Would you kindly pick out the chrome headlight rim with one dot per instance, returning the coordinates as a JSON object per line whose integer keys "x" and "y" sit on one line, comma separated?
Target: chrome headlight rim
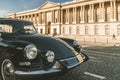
{"x": 30, "y": 51}
{"x": 50, "y": 56}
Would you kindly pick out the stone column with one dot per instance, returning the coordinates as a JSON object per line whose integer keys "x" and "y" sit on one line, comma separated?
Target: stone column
{"x": 21, "y": 17}
{"x": 35, "y": 19}
{"x": 39, "y": 18}
{"x": 103, "y": 12}
{"x": 68, "y": 15}
{"x": 78, "y": 15}
{"x": 90, "y": 13}
{"x": 53, "y": 16}
{"x": 31, "y": 17}
{"x": 115, "y": 11}
{"x": 24, "y": 17}
{"x": 44, "y": 18}
{"x": 61, "y": 16}
{"x": 75, "y": 18}
{"x": 74, "y": 15}
{"x": 111, "y": 11}
{"x": 92, "y": 19}
{"x": 100, "y": 10}
{"x": 27, "y": 17}
{"x": 83, "y": 14}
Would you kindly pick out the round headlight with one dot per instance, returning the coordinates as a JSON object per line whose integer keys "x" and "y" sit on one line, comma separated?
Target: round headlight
{"x": 31, "y": 51}
{"x": 50, "y": 56}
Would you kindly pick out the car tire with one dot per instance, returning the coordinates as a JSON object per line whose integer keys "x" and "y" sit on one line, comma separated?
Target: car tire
{"x": 7, "y": 68}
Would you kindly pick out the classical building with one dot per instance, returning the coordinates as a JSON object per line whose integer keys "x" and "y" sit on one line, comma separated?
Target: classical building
{"x": 86, "y": 20}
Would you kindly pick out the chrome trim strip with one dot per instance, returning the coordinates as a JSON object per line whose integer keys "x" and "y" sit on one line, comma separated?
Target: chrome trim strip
{"x": 68, "y": 58}
{"x": 54, "y": 69}
{"x": 38, "y": 72}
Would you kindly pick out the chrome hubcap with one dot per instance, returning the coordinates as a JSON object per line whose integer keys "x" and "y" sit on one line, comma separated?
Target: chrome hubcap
{"x": 7, "y": 70}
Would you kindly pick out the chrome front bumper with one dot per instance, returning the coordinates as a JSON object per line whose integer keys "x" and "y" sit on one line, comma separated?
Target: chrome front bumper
{"x": 58, "y": 67}
{"x": 54, "y": 69}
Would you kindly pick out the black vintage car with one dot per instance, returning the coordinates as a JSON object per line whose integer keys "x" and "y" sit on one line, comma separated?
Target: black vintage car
{"x": 25, "y": 53}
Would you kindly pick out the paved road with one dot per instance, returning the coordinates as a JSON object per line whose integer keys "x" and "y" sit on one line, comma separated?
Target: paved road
{"x": 104, "y": 64}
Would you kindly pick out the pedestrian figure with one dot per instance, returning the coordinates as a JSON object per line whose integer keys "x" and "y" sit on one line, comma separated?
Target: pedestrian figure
{"x": 114, "y": 37}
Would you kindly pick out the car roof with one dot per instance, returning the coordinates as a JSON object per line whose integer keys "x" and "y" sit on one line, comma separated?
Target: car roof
{"x": 13, "y": 19}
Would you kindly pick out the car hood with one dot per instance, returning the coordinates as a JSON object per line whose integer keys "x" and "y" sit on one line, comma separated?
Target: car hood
{"x": 61, "y": 49}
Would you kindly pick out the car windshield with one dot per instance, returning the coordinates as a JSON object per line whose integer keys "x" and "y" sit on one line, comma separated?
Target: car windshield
{"x": 16, "y": 26}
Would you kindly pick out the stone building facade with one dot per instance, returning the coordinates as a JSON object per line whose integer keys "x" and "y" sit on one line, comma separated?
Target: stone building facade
{"x": 84, "y": 20}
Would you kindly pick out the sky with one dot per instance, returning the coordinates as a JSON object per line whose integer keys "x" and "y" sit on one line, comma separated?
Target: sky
{"x": 11, "y": 6}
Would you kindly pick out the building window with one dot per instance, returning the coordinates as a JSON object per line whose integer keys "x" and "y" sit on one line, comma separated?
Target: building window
{"x": 107, "y": 30}
{"x": 118, "y": 30}
{"x": 96, "y": 30}
{"x": 86, "y": 30}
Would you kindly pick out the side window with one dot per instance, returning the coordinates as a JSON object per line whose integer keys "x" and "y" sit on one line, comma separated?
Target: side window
{"x": 6, "y": 28}
{"x": 29, "y": 29}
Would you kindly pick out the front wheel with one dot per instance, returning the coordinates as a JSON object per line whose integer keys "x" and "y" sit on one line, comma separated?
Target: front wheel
{"x": 7, "y": 68}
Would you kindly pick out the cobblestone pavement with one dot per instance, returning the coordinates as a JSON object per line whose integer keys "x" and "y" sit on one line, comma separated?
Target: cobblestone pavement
{"x": 104, "y": 64}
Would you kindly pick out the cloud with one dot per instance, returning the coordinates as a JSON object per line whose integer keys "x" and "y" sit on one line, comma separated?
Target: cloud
{"x": 3, "y": 13}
